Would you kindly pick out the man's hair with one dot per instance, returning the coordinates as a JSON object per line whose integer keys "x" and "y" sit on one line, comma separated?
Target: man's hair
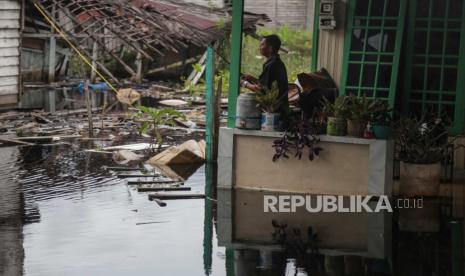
{"x": 274, "y": 41}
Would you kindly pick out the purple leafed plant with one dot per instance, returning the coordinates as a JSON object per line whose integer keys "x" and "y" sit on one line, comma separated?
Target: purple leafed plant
{"x": 299, "y": 136}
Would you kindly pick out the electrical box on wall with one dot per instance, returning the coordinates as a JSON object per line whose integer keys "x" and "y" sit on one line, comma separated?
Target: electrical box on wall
{"x": 326, "y": 18}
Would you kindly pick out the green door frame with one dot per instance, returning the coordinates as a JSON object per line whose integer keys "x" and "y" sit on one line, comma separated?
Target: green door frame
{"x": 236, "y": 55}
{"x": 459, "y": 114}
{"x": 316, "y": 36}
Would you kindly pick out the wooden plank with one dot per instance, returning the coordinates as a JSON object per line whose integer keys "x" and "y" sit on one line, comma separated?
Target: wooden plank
{"x": 122, "y": 169}
{"x": 8, "y": 90}
{"x": 9, "y": 42}
{"x": 7, "y": 100}
{"x": 9, "y": 14}
{"x": 9, "y": 71}
{"x": 36, "y": 138}
{"x": 8, "y": 61}
{"x": 10, "y": 5}
{"x": 9, "y": 33}
{"x": 154, "y": 182}
{"x": 9, "y": 24}
{"x": 160, "y": 189}
{"x": 7, "y": 141}
{"x": 137, "y": 175}
{"x": 8, "y": 81}
{"x": 159, "y": 202}
{"x": 171, "y": 196}
{"x": 9, "y": 52}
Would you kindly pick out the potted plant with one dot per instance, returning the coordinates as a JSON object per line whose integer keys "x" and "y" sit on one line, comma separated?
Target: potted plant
{"x": 381, "y": 120}
{"x": 359, "y": 112}
{"x": 421, "y": 145}
{"x": 336, "y": 113}
{"x": 269, "y": 104}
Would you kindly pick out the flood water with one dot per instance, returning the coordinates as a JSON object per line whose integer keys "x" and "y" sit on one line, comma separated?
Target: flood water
{"x": 82, "y": 220}
{"x": 63, "y": 213}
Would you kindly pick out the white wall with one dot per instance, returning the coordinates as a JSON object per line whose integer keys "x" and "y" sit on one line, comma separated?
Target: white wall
{"x": 297, "y": 13}
{"x": 10, "y": 11}
{"x": 216, "y": 3}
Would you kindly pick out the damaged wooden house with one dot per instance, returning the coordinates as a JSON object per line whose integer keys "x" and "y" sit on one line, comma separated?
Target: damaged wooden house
{"x": 43, "y": 42}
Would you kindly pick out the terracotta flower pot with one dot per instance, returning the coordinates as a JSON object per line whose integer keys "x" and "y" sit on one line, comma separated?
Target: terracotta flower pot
{"x": 419, "y": 179}
{"x": 356, "y": 128}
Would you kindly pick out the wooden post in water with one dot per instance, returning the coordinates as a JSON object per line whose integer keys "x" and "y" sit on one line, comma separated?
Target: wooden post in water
{"x": 89, "y": 108}
{"x": 93, "y": 73}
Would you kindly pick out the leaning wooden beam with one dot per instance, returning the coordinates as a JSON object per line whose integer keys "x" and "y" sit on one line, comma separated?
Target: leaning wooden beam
{"x": 14, "y": 142}
{"x": 171, "y": 66}
{"x": 37, "y": 138}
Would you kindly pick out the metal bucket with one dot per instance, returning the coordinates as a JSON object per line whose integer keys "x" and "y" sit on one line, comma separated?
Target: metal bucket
{"x": 248, "y": 113}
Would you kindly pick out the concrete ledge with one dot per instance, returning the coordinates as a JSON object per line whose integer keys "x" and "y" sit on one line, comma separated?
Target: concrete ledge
{"x": 346, "y": 166}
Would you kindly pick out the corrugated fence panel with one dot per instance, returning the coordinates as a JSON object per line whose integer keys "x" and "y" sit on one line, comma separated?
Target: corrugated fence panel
{"x": 331, "y": 44}
{"x": 296, "y": 13}
{"x": 10, "y": 11}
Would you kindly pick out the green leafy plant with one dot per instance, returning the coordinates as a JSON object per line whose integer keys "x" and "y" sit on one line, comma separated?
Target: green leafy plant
{"x": 381, "y": 113}
{"x": 338, "y": 109}
{"x": 421, "y": 141}
{"x": 360, "y": 108}
{"x": 269, "y": 100}
{"x": 152, "y": 118}
{"x": 197, "y": 67}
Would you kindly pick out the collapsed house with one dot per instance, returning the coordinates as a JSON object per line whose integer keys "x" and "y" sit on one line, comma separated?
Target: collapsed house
{"x": 124, "y": 40}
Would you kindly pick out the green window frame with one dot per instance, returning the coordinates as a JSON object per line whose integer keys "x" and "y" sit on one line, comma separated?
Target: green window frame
{"x": 435, "y": 61}
{"x": 372, "y": 46}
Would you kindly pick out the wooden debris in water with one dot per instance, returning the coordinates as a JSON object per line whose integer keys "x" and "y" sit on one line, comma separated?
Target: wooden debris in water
{"x": 122, "y": 169}
{"x": 159, "y": 202}
{"x": 160, "y": 189}
{"x": 137, "y": 175}
{"x": 15, "y": 142}
{"x": 155, "y": 182}
{"x": 168, "y": 196}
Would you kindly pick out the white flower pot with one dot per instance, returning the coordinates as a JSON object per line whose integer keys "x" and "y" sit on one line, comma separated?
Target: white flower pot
{"x": 271, "y": 121}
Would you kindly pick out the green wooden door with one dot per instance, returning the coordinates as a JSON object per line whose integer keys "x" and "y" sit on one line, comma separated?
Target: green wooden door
{"x": 373, "y": 41}
{"x": 435, "y": 60}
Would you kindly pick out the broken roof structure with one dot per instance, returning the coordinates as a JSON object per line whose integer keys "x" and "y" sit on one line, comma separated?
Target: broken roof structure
{"x": 150, "y": 28}
{"x": 35, "y": 55}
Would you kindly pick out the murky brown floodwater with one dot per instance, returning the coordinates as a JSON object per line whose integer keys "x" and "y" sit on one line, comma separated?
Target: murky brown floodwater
{"x": 62, "y": 213}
